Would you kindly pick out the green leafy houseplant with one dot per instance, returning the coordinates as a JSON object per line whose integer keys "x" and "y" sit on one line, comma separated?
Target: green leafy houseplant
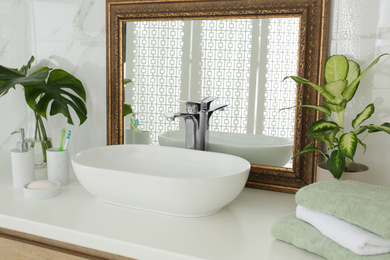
{"x": 342, "y": 78}
{"x": 44, "y": 88}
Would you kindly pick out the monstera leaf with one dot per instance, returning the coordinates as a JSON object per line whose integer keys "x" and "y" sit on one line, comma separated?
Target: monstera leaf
{"x": 127, "y": 109}
{"x": 10, "y": 77}
{"x": 46, "y": 88}
{"x": 56, "y": 92}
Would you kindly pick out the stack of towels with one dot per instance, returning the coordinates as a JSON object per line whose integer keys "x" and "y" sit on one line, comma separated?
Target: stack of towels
{"x": 339, "y": 220}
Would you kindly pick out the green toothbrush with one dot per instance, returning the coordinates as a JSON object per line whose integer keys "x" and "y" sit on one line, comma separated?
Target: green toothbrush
{"x": 62, "y": 140}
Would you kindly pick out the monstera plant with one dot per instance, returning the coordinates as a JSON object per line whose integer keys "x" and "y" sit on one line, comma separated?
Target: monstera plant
{"x": 342, "y": 78}
{"x": 46, "y": 88}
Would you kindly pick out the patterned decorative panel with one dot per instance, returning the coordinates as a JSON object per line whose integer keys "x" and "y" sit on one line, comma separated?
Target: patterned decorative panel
{"x": 282, "y": 54}
{"x": 156, "y": 73}
{"x": 226, "y": 59}
{"x": 229, "y": 67}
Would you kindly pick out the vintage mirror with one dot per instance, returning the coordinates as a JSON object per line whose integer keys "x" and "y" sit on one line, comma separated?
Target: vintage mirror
{"x": 305, "y": 27}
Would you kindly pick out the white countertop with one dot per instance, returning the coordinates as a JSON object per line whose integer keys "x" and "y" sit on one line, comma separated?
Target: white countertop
{"x": 240, "y": 231}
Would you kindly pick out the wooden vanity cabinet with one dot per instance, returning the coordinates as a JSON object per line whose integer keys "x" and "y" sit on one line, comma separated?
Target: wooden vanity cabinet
{"x": 21, "y": 246}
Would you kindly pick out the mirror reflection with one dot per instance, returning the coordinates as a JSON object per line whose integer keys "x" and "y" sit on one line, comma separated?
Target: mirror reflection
{"x": 241, "y": 61}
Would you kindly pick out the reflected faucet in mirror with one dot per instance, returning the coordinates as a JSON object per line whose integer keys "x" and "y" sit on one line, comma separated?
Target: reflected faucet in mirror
{"x": 197, "y": 118}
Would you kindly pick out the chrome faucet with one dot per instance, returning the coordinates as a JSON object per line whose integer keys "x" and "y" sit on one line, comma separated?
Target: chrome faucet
{"x": 196, "y": 119}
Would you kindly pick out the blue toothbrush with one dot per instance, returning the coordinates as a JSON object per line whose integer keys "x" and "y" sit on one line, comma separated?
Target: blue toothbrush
{"x": 67, "y": 139}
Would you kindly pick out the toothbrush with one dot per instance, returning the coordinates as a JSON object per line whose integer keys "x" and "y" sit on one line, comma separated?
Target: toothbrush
{"x": 67, "y": 139}
{"x": 62, "y": 139}
{"x": 132, "y": 123}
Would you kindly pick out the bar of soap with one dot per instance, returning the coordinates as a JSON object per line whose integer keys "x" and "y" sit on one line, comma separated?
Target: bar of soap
{"x": 40, "y": 185}
{"x": 42, "y": 189}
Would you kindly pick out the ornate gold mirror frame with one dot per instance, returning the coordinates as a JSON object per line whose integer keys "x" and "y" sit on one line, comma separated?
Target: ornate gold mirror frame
{"x": 313, "y": 43}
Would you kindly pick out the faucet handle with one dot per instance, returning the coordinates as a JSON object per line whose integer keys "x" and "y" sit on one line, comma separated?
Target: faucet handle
{"x": 191, "y": 107}
{"x": 169, "y": 116}
{"x": 206, "y": 102}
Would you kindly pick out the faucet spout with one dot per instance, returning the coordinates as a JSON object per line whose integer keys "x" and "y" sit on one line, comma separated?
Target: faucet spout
{"x": 218, "y": 107}
{"x": 191, "y": 123}
{"x": 206, "y": 102}
{"x": 197, "y": 122}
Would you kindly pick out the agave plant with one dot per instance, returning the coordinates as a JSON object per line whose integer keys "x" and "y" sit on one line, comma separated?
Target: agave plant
{"x": 44, "y": 88}
{"x": 342, "y": 78}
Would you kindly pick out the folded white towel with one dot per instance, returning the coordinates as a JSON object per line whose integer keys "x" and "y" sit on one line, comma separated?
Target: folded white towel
{"x": 352, "y": 237}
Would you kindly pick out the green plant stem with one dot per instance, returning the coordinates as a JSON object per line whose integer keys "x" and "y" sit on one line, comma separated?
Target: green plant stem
{"x": 41, "y": 135}
{"x": 364, "y": 137}
{"x": 347, "y": 163}
{"x": 340, "y": 121}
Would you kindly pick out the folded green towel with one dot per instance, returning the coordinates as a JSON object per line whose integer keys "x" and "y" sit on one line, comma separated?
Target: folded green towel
{"x": 362, "y": 204}
{"x": 303, "y": 235}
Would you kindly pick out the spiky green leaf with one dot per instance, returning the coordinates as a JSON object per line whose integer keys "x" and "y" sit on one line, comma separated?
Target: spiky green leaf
{"x": 363, "y": 145}
{"x": 347, "y": 144}
{"x": 321, "y": 138}
{"x": 312, "y": 149}
{"x": 309, "y": 148}
{"x": 336, "y": 164}
{"x": 385, "y": 127}
{"x": 322, "y": 126}
{"x": 336, "y": 105}
{"x": 360, "y": 130}
{"x": 320, "y": 89}
{"x": 350, "y": 91}
{"x": 336, "y": 68}
{"x": 329, "y": 139}
{"x": 322, "y": 109}
{"x": 363, "y": 116}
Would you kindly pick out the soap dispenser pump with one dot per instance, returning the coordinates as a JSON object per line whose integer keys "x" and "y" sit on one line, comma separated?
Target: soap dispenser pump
{"x": 23, "y": 162}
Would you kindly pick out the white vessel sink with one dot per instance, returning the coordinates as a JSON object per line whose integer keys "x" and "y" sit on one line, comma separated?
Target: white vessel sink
{"x": 166, "y": 180}
{"x": 257, "y": 149}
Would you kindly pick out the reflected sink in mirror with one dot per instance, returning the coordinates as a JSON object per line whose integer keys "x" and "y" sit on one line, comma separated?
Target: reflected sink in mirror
{"x": 160, "y": 179}
{"x": 257, "y": 149}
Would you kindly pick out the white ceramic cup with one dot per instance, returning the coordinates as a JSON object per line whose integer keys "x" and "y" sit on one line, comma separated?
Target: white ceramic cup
{"x": 58, "y": 165}
{"x": 141, "y": 137}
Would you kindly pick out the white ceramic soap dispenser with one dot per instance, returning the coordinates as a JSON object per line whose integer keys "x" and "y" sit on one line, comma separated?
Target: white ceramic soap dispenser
{"x": 23, "y": 162}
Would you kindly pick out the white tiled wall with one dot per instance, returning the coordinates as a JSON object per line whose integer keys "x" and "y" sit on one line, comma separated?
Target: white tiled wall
{"x": 71, "y": 34}
{"x": 361, "y": 30}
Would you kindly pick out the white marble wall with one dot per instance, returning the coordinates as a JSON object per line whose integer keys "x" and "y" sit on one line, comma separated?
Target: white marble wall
{"x": 71, "y": 34}
{"x": 67, "y": 34}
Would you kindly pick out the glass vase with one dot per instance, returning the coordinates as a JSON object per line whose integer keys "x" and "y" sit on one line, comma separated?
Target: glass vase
{"x": 39, "y": 137}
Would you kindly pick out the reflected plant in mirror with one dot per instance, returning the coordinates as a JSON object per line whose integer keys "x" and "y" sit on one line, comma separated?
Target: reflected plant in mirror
{"x": 342, "y": 80}
{"x": 127, "y": 107}
{"x": 134, "y": 133}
